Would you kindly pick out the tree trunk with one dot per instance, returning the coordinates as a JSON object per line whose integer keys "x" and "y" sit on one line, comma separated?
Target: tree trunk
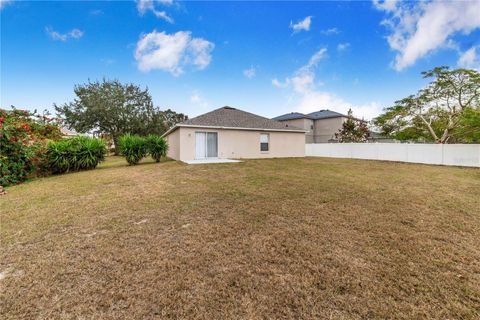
{"x": 445, "y": 136}
{"x": 116, "y": 143}
{"x": 430, "y": 129}
{"x": 448, "y": 130}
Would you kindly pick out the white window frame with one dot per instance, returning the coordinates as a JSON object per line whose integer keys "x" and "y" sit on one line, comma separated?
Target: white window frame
{"x": 268, "y": 142}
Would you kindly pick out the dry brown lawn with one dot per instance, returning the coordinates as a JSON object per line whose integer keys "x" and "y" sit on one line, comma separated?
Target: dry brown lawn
{"x": 309, "y": 238}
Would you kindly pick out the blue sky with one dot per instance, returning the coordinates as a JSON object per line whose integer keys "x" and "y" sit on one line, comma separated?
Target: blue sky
{"x": 268, "y": 58}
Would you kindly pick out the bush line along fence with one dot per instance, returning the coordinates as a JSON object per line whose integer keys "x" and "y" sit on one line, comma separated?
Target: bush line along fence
{"x": 467, "y": 155}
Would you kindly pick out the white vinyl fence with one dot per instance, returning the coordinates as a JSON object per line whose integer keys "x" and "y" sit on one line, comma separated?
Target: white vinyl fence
{"x": 467, "y": 155}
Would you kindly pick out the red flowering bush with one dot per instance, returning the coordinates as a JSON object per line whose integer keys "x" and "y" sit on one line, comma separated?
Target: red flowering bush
{"x": 23, "y": 144}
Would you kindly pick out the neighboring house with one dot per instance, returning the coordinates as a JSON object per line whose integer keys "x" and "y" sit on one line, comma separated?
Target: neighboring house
{"x": 321, "y": 126}
{"x": 68, "y": 133}
{"x": 229, "y": 133}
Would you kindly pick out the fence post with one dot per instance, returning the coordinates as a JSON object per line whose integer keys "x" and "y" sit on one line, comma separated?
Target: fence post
{"x": 443, "y": 154}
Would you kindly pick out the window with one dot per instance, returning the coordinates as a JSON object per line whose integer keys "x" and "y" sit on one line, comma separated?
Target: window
{"x": 311, "y": 126}
{"x": 264, "y": 139}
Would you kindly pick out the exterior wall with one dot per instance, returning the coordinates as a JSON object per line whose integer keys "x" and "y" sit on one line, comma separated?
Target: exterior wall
{"x": 325, "y": 129}
{"x": 244, "y": 144}
{"x": 305, "y": 124}
{"x": 467, "y": 155}
{"x": 173, "y": 140}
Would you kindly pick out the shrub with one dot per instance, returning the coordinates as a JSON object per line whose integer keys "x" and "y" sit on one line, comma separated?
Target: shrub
{"x": 133, "y": 147}
{"x": 157, "y": 147}
{"x": 75, "y": 154}
{"x": 23, "y": 144}
{"x": 58, "y": 156}
{"x": 92, "y": 152}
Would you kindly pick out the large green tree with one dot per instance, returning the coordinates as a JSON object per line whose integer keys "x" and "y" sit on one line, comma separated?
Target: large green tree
{"x": 446, "y": 110}
{"x": 114, "y": 108}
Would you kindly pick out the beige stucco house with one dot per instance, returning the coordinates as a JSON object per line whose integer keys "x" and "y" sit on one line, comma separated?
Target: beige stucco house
{"x": 320, "y": 126}
{"x": 229, "y": 133}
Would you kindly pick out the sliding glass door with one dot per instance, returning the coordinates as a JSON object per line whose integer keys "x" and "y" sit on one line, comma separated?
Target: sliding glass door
{"x": 200, "y": 145}
{"x": 212, "y": 145}
{"x": 206, "y": 145}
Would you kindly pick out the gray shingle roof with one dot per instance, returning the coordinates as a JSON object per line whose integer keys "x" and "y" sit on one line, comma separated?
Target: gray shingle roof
{"x": 291, "y": 116}
{"x": 322, "y": 114}
{"x": 234, "y": 118}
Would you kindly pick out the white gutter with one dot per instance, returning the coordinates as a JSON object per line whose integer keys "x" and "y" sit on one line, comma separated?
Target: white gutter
{"x": 227, "y": 128}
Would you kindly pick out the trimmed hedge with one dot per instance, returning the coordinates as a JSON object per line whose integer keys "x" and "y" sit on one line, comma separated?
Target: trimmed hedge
{"x": 157, "y": 147}
{"x": 75, "y": 154}
{"x": 133, "y": 147}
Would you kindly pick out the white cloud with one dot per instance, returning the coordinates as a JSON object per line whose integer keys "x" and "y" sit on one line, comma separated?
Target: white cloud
{"x": 4, "y": 3}
{"x": 317, "y": 56}
{"x": 317, "y": 100}
{"x": 470, "y": 59}
{"x": 418, "y": 29}
{"x": 302, "y": 82}
{"x": 149, "y": 5}
{"x": 197, "y": 99}
{"x": 343, "y": 46}
{"x": 301, "y": 25}
{"x": 309, "y": 98}
{"x": 250, "y": 72}
{"x": 277, "y": 83}
{"x": 330, "y": 31}
{"x": 163, "y": 15}
{"x": 386, "y": 5}
{"x": 304, "y": 76}
{"x": 200, "y": 52}
{"x": 172, "y": 53}
{"x": 303, "y": 79}
{"x": 72, "y": 34}
{"x": 76, "y": 34}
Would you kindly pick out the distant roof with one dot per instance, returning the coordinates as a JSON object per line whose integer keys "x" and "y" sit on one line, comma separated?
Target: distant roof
{"x": 228, "y": 117}
{"x": 291, "y": 116}
{"x": 322, "y": 114}
{"x": 67, "y": 132}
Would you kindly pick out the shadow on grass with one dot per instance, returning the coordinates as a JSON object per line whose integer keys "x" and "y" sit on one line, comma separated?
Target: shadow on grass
{"x": 111, "y": 162}
{"x": 120, "y": 162}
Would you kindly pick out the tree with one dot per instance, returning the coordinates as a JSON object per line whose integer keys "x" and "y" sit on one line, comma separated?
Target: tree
{"x": 171, "y": 118}
{"x": 113, "y": 108}
{"x": 468, "y": 129}
{"x": 353, "y": 130}
{"x": 437, "y": 112}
